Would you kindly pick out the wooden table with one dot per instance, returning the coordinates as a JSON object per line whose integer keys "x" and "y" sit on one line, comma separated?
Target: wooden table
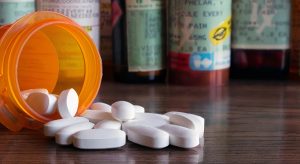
{"x": 246, "y": 122}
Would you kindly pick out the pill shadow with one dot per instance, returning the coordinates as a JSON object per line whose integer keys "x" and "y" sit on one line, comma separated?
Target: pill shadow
{"x": 130, "y": 153}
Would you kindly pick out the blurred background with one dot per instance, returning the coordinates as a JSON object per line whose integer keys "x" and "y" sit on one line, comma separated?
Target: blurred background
{"x": 191, "y": 43}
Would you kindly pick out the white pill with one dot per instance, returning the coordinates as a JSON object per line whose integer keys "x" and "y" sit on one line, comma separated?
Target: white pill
{"x": 181, "y": 136}
{"x": 108, "y": 124}
{"x": 42, "y": 103}
{"x": 201, "y": 122}
{"x": 64, "y": 136}
{"x": 101, "y": 106}
{"x": 149, "y": 116}
{"x": 96, "y": 116}
{"x": 26, "y": 93}
{"x": 123, "y": 111}
{"x": 68, "y": 103}
{"x": 99, "y": 139}
{"x": 148, "y": 136}
{"x": 187, "y": 120}
{"x": 139, "y": 109}
{"x": 149, "y": 119}
{"x": 53, "y": 127}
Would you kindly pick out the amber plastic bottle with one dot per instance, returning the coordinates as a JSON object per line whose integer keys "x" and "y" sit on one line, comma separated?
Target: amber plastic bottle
{"x": 45, "y": 50}
{"x": 260, "y": 39}
{"x": 199, "y": 42}
{"x": 138, "y": 40}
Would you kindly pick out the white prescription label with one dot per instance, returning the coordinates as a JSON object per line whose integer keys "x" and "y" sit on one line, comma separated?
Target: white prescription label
{"x": 85, "y": 12}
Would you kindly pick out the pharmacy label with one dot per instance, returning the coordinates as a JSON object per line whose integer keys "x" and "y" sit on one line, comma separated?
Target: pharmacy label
{"x": 84, "y": 12}
{"x": 261, "y": 24}
{"x": 11, "y": 10}
{"x": 145, "y": 35}
{"x": 199, "y": 34}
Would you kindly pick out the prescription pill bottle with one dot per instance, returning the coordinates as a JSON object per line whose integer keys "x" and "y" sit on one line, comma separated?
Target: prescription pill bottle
{"x": 45, "y": 50}
{"x": 199, "y": 42}
{"x": 138, "y": 38}
{"x": 261, "y": 39}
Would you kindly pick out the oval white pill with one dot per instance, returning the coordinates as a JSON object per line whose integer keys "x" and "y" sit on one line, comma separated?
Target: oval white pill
{"x": 99, "y": 139}
{"x": 148, "y": 136}
{"x": 149, "y": 119}
{"x": 139, "y": 109}
{"x": 187, "y": 120}
{"x": 96, "y": 116}
{"x": 42, "y": 103}
{"x": 101, "y": 106}
{"x": 108, "y": 124}
{"x": 26, "y": 93}
{"x": 53, "y": 127}
{"x": 123, "y": 111}
{"x": 68, "y": 103}
{"x": 181, "y": 136}
{"x": 201, "y": 123}
{"x": 64, "y": 136}
{"x": 149, "y": 116}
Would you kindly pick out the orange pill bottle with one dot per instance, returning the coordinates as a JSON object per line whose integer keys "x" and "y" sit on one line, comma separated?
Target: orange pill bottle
{"x": 45, "y": 50}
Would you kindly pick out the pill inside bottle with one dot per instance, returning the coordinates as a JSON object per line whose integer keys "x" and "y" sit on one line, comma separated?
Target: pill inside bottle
{"x": 45, "y": 50}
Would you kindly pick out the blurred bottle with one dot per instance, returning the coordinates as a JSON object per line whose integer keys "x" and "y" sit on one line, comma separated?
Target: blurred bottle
{"x": 295, "y": 54}
{"x": 11, "y": 10}
{"x": 199, "y": 42}
{"x": 138, "y": 40}
{"x": 85, "y": 13}
{"x": 261, "y": 39}
{"x": 106, "y": 39}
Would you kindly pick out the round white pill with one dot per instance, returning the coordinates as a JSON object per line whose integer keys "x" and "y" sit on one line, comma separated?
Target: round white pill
{"x": 148, "y": 136}
{"x": 64, "y": 136}
{"x": 123, "y": 111}
{"x": 108, "y": 124}
{"x": 99, "y": 139}
{"x": 68, "y": 103}
{"x": 101, "y": 106}
{"x": 181, "y": 136}
{"x": 26, "y": 93}
{"x": 53, "y": 127}
{"x": 96, "y": 116}
{"x": 187, "y": 120}
{"x": 139, "y": 109}
{"x": 42, "y": 103}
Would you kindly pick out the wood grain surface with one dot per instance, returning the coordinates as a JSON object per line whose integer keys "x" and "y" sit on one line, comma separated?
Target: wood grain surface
{"x": 246, "y": 122}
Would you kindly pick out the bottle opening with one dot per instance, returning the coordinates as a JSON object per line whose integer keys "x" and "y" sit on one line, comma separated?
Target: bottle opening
{"x": 51, "y": 59}
{"x": 57, "y": 57}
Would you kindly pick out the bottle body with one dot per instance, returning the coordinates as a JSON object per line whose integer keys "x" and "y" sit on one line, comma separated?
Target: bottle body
{"x": 85, "y": 13}
{"x": 295, "y": 53}
{"x": 261, "y": 39}
{"x": 12, "y": 10}
{"x": 138, "y": 40}
{"x": 199, "y": 42}
{"x": 106, "y": 39}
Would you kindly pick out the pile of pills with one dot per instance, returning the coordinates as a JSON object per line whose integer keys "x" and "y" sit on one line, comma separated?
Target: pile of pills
{"x": 106, "y": 127}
